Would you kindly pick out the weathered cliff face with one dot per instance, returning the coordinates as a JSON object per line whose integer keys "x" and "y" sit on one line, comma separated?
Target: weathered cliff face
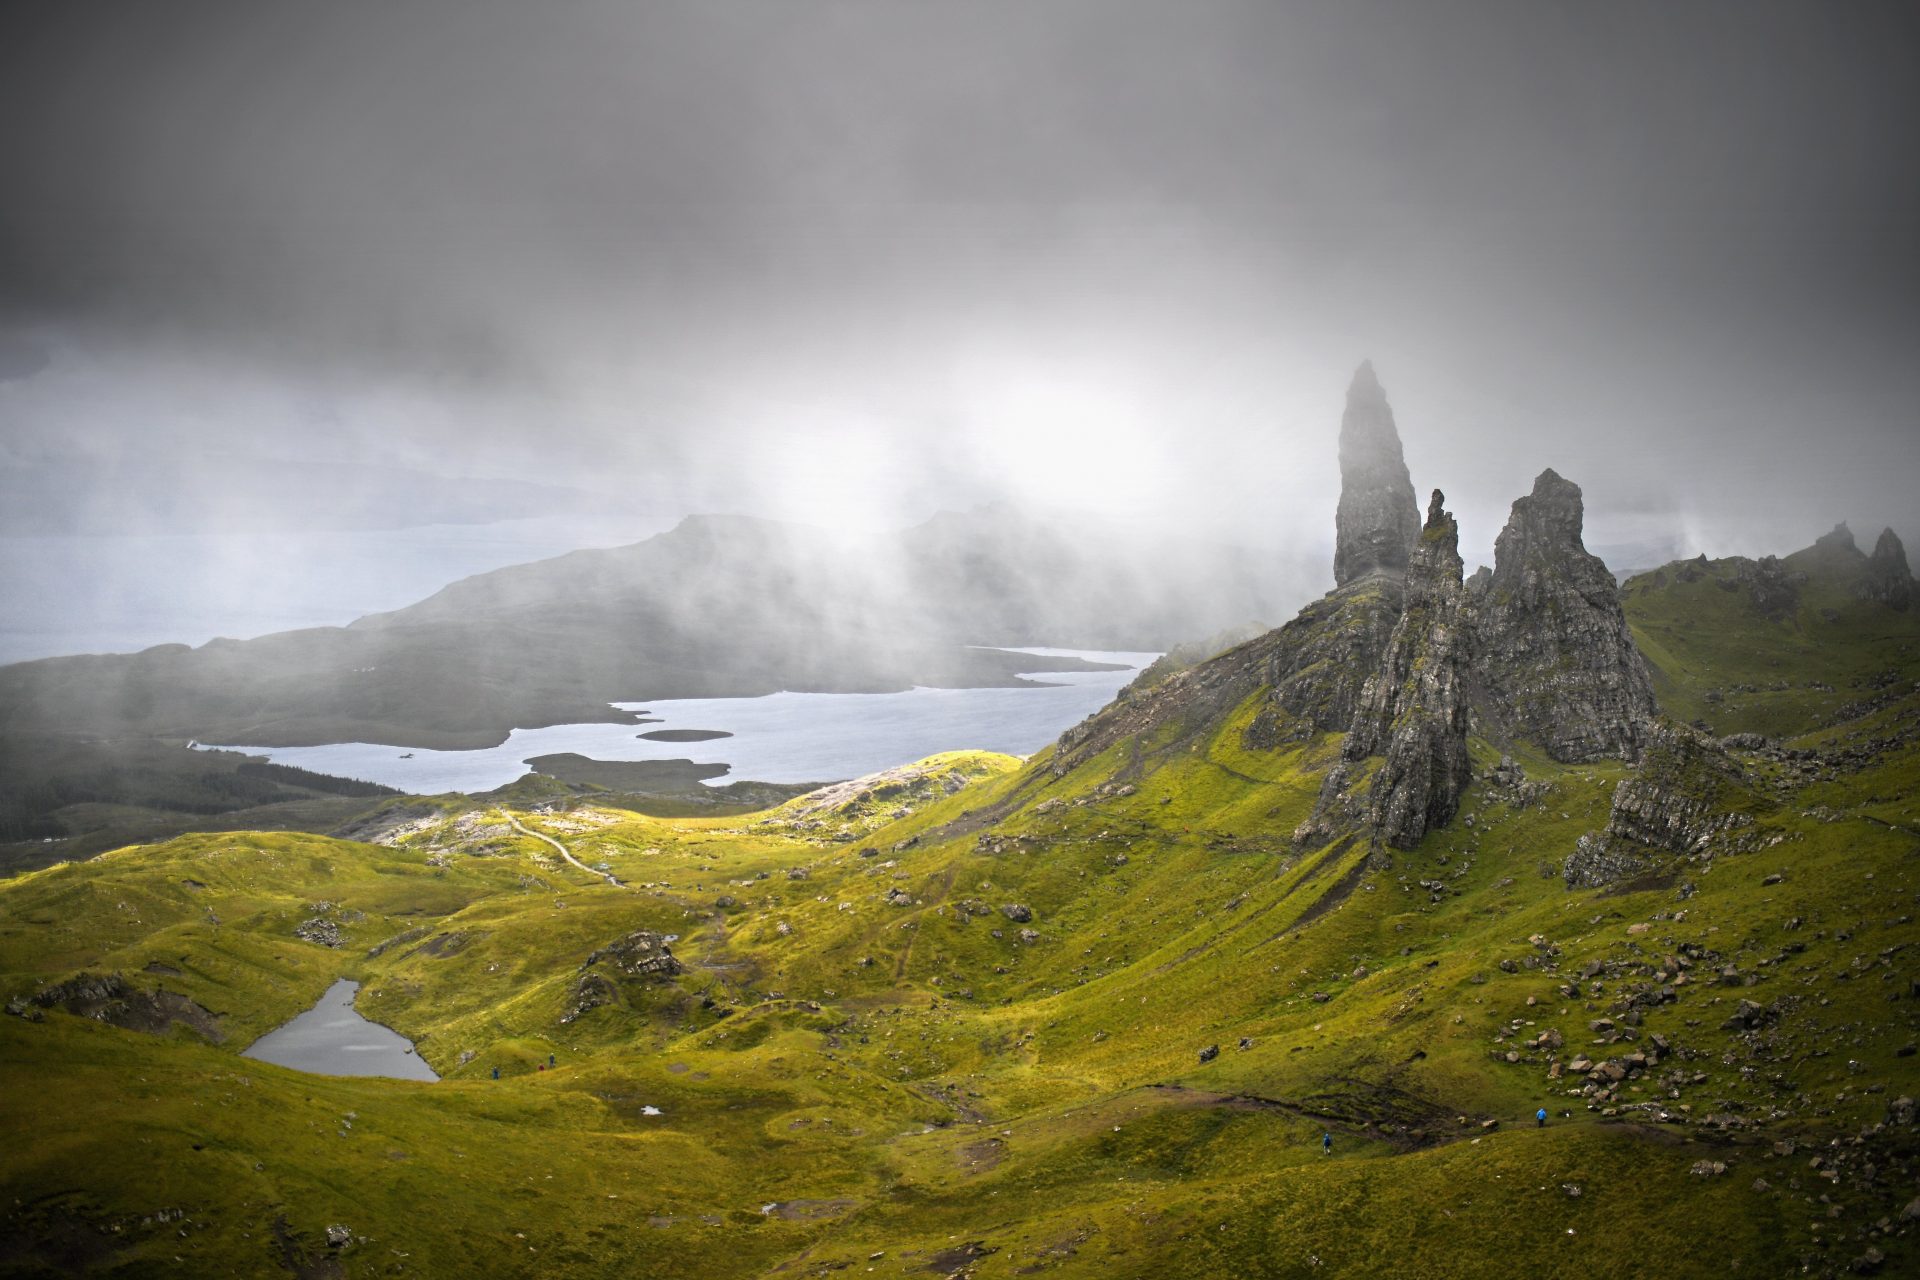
{"x": 1773, "y": 588}
{"x": 1414, "y": 713}
{"x": 1687, "y": 791}
{"x": 1888, "y": 579}
{"x": 1313, "y": 668}
{"x": 1319, "y": 674}
{"x": 1378, "y": 517}
{"x": 1553, "y": 656}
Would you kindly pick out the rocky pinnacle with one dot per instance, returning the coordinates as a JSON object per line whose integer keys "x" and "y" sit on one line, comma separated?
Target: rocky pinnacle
{"x": 1378, "y": 519}
{"x": 1888, "y": 579}
{"x": 1550, "y": 638}
{"x": 1415, "y": 712}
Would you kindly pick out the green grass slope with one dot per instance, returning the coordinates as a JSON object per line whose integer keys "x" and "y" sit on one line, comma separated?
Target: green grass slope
{"x": 959, "y": 1020}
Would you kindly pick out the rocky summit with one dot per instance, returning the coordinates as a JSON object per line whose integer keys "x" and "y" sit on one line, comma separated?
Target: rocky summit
{"x": 1555, "y": 661}
{"x": 1378, "y": 518}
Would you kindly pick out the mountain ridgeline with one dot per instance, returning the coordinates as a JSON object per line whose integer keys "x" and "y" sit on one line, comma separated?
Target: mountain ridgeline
{"x": 719, "y": 606}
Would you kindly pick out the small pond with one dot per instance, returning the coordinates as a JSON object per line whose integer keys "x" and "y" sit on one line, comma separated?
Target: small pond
{"x": 332, "y": 1039}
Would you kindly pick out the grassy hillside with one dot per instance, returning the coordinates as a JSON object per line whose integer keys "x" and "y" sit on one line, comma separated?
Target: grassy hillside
{"x": 958, "y": 1020}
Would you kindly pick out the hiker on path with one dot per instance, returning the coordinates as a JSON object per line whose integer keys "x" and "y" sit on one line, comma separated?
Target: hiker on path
{"x": 1326, "y": 1144}
{"x": 1540, "y": 1118}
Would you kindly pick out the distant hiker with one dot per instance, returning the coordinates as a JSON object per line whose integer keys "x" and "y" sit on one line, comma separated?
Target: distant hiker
{"x": 496, "y": 1073}
{"x": 1326, "y": 1144}
{"x": 550, "y": 1063}
{"x": 1540, "y": 1118}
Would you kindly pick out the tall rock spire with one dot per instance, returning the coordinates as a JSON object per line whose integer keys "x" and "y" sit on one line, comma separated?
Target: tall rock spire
{"x": 1888, "y": 579}
{"x": 1379, "y": 518}
{"x": 1414, "y": 712}
{"x": 1551, "y": 641}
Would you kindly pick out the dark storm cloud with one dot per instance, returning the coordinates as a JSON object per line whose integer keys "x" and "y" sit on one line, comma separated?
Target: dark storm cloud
{"x": 931, "y": 249}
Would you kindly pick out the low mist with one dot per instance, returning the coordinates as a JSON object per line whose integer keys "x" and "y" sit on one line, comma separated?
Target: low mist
{"x": 296, "y": 302}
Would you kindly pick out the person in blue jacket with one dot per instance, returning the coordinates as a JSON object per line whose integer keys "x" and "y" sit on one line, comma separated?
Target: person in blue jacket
{"x": 1540, "y": 1118}
{"x": 1326, "y": 1144}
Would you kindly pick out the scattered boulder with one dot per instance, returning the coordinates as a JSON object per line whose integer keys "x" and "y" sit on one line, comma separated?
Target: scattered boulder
{"x": 320, "y": 930}
{"x": 590, "y": 991}
{"x": 642, "y": 954}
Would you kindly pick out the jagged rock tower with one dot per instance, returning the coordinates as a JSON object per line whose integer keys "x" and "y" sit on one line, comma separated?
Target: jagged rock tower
{"x": 1888, "y": 579}
{"x": 1551, "y": 646}
{"x": 1379, "y": 518}
{"x": 1414, "y": 712}
{"x": 1407, "y": 660}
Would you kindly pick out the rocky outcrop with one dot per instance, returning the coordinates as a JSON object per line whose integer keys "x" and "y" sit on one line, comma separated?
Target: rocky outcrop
{"x": 1320, "y": 670}
{"x": 1687, "y": 791}
{"x": 109, "y": 998}
{"x": 1597, "y": 862}
{"x": 643, "y": 954}
{"x": 1837, "y": 542}
{"x": 1771, "y": 586}
{"x": 1555, "y": 662}
{"x": 1313, "y": 670}
{"x": 1888, "y": 579}
{"x": 1414, "y": 711}
{"x": 1378, "y": 518}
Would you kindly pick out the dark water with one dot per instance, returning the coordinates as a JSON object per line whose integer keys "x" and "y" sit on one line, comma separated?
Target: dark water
{"x": 332, "y": 1039}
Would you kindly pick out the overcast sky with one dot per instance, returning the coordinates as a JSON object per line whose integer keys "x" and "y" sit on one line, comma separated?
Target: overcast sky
{"x": 858, "y": 261}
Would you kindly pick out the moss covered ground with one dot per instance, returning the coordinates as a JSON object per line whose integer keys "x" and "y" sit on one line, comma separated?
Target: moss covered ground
{"x": 953, "y": 1022}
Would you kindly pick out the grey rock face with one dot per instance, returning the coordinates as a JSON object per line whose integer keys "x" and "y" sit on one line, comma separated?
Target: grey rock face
{"x": 1888, "y": 580}
{"x": 1837, "y": 540}
{"x": 1319, "y": 673}
{"x": 1414, "y": 712}
{"x": 1597, "y": 861}
{"x": 1378, "y": 518}
{"x": 1774, "y": 588}
{"x": 1551, "y": 645}
{"x": 1683, "y": 795}
{"x": 643, "y": 954}
{"x": 1313, "y": 667}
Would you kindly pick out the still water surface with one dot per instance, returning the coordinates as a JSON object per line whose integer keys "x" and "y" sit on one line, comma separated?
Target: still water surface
{"x": 333, "y": 1039}
{"x": 782, "y": 737}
